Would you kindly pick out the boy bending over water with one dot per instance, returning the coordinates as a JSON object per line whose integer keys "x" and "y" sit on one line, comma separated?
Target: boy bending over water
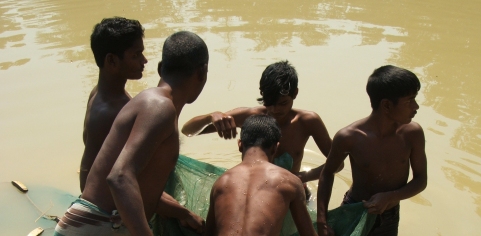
{"x": 278, "y": 87}
{"x": 253, "y": 197}
{"x": 381, "y": 148}
{"x": 132, "y": 167}
{"x": 117, "y": 45}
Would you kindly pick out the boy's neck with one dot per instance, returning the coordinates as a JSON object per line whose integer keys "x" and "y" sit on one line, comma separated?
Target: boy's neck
{"x": 254, "y": 155}
{"x": 176, "y": 93}
{"x": 285, "y": 120}
{"x": 110, "y": 85}
{"x": 381, "y": 125}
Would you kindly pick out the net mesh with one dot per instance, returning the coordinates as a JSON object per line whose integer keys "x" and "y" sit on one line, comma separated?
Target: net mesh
{"x": 190, "y": 184}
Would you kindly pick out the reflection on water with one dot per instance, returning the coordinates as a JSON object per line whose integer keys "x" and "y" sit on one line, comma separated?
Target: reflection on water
{"x": 439, "y": 38}
{"x": 339, "y": 40}
{"x": 465, "y": 183}
{"x": 419, "y": 199}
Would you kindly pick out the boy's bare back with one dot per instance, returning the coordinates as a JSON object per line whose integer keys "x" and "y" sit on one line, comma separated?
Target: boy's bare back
{"x": 254, "y": 197}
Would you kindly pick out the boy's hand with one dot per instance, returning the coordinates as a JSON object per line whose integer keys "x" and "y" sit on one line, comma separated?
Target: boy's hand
{"x": 303, "y": 176}
{"x": 224, "y": 124}
{"x": 194, "y": 222}
{"x": 378, "y": 203}
{"x": 324, "y": 230}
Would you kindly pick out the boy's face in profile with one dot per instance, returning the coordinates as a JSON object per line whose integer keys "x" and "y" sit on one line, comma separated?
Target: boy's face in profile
{"x": 133, "y": 61}
{"x": 405, "y": 109}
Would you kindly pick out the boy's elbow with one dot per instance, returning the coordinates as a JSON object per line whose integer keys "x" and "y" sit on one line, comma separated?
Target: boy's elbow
{"x": 184, "y": 131}
{"x": 326, "y": 175}
{"x": 115, "y": 180}
{"x": 424, "y": 183}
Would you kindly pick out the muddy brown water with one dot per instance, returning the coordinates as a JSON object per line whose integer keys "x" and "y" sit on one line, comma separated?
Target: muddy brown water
{"x": 47, "y": 71}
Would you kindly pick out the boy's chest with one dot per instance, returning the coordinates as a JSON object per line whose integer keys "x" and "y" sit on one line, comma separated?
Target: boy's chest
{"x": 381, "y": 154}
{"x": 293, "y": 141}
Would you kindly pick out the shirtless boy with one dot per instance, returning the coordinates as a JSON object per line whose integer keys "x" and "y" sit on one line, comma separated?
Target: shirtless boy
{"x": 381, "y": 148}
{"x": 253, "y": 197}
{"x": 133, "y": 164}
{"x": 278, "y": 87}
{"x": 117, "y": 45}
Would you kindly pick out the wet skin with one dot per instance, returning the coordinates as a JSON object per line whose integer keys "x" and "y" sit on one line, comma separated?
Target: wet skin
{"x": 297, "y": 126}
{"x": 133, "y": 165}
{"x": 381, "y": 149}
{"x": 107, "y": 99}
{"x": 253, "y": 198}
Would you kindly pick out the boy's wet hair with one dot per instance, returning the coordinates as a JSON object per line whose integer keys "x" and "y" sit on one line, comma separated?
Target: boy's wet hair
{"x": 277, "y": 79}
{"x": 391, "y": 82}
{"x": 182, "y": 53}
{"x": 114, "y": 35}
{"x": 260, "y": 130}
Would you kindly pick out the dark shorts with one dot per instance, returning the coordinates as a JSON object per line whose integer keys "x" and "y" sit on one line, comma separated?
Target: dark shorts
{"x": 386, "y": 223}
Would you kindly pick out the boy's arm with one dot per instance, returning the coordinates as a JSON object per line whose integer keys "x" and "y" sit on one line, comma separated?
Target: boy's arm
{"x": 170, "y": 208}
{"x": 382, "y": 201}
{"x": 339, "y": 152}
{"x": 313, "y": 123}
{"x": 200, "y": 125}
{"x": 224, "y": 124}
{"x": 299, "y": 212}
{"x": 210, "y": 225}
{"x": 149, "y": 129}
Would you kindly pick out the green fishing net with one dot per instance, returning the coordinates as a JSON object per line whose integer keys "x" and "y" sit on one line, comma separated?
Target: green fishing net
{"x": 190, "y": 184}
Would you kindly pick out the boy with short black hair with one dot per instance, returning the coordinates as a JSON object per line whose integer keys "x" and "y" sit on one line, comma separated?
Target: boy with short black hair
{"x": 117, "y": 45}
{"x": 381, "y": 149}
{"x": 133, "y": 164}
{"x": 278, "y": 87}
{"x": 253, "y": 197}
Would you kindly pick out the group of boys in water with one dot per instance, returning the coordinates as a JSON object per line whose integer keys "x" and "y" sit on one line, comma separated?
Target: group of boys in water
{"x": 132, "y": 145}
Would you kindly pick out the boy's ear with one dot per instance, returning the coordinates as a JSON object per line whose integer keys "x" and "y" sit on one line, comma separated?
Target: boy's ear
{"x": 386, "y": 105}
{"x": 239, "y": 143}
{"x": 159, "y": 68}
{"x": 111, "y": 60}
{"x": 294, "y": 95}
{"x": 202, "y": 72}
{"x": 272, "y": 151}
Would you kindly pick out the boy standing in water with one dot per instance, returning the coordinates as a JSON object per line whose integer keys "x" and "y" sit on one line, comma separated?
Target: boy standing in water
{"x": 278, "y": 87}
{"x": 381, "y": 148}
{"x": 141, "y": 149}
{"x": 253, "y": 197}
{"x": 117, "y": 45}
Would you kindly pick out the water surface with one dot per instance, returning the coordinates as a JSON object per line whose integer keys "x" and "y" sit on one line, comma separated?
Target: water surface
{"x": 47, "y": 71}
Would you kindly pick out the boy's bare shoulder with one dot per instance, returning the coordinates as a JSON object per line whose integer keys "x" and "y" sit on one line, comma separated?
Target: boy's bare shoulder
{"x": 247, "y": 111}
{"x": 411, "y": 127}
{"x": 355, "y": 128}
{"x": 307, "y": 117}
{"x": 257, "y": 110}
{"x": 412, "y": 131}
{"x": 351, "y": 134}
{"x": 228, "y": 178}
{"x": 305, "y": 114}
{"x": 277, "y": 173}
{"x": 287, "y": 183}
{"x": 150, "y": 99}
